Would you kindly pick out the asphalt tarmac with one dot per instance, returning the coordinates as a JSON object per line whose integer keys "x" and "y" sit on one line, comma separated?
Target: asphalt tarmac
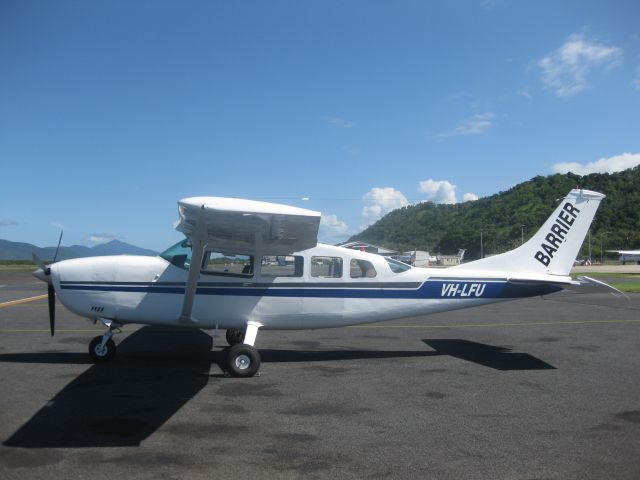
{"x": 544, "y": 388}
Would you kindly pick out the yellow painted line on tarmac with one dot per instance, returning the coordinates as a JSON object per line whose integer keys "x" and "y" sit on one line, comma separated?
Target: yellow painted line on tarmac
{"x": 495, "y": 325}
{"x": 22, "y": 300}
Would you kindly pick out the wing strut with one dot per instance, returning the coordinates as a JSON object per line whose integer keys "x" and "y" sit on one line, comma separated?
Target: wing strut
{"x": 198, "y": 245}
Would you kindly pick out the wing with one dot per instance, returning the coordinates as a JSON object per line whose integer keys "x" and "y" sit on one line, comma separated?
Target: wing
{"x": 247, "y": 226}
{"x": 241, "y": 226}
{"x": 625, "y": 252}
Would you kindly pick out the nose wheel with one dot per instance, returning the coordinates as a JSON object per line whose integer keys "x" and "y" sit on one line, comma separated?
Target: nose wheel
{"x": 102, "y": 352}
{"x": 103, "y": 348}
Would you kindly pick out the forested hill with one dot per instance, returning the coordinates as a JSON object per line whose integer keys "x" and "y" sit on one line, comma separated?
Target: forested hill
{"x": 443, "y": 229}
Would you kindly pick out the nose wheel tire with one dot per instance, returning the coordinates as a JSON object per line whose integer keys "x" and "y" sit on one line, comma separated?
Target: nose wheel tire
{"x": 99, "y": 353}
{"x": 243, "y": 360}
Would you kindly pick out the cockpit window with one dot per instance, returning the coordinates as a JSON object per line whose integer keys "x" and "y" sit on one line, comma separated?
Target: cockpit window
{"x": 179, "y": 254}
{"x": 396, "y": 266}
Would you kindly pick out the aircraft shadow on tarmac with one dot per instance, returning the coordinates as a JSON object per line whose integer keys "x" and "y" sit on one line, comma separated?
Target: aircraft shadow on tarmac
{"x": 122, "y": 402}
{"x": 499, "y": 358}
{"x": 157, "y": 371}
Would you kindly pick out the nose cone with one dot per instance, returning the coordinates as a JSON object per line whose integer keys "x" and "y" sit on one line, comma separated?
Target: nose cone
{"x": 42, "y": 275}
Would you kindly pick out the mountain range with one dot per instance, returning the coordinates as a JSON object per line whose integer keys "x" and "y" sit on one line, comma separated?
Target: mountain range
{"x": 23, "y": 251}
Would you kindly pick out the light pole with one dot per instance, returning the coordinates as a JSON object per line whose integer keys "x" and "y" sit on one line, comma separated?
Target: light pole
{"x": 602, "y": 248}
{"x": 481, "y": 246}
{"x": 522, "y": 234}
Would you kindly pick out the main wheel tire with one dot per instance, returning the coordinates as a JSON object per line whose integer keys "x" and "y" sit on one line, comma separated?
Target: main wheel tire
{"x": 104, "y": 354}
{"x": 243, "y": 360}
{"x": 234, "y": 336}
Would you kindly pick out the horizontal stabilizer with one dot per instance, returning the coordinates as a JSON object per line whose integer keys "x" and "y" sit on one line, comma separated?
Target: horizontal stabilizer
{"x": 586, "y": 284}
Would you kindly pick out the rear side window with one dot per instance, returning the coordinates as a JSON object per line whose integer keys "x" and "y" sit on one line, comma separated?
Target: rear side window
{"x": 282, "y": 266}
{"x": 326, "y": 267}
{"x": 361, "y": 269}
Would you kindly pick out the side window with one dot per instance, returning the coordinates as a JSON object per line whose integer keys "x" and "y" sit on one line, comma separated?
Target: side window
{"x": 326, "y": 267}
{"x": 282, "y": 266}
{"x": 231, "y": 264}
{"x": 361, "y": 269}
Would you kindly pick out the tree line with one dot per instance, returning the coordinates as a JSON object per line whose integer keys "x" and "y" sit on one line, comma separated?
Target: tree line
{"x": 507, "y": 218}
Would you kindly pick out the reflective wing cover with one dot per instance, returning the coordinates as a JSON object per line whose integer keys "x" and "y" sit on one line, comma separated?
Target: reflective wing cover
{"x": 245, "y": 226}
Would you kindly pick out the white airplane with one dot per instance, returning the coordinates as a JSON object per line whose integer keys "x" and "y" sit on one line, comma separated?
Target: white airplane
{"x": 225, "y": 275}
{"x": 628, "y": 255}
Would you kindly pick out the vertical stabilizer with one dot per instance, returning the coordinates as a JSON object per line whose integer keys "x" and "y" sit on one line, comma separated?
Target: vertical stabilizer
{"x": 553, "y": 249}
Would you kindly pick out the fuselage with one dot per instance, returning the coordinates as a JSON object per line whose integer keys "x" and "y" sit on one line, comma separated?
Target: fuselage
{"x": 324, "y": 286}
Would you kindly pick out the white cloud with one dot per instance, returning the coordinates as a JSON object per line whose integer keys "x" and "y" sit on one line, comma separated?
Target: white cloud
{"x": 469, "y": 197}
{"x": 98, "y": 238}
{"x": 616, "y": 163}
{"x": 339, "y": 122}
{"x": 331, "y": 226}
{"x": 443, "y": 191}
{"x": 439, "y": 191}
{"x": 380, "y": 201}
{"x": 565, "y": 70}
{"x": 474, "y": 125}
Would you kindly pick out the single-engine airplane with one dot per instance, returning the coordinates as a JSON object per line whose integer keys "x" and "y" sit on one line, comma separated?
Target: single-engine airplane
{"x": 246, "y": 265}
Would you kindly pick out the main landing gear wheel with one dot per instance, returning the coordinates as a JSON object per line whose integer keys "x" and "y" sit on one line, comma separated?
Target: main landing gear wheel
{"x": 234, "y": 336}
{"x": 243, "y": 360}
{"x": 101, "y": 353}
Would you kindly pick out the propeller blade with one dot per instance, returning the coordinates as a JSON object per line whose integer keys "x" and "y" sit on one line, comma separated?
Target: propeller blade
{"x": 58, "y": 247}
{"x": 52, "y": 308}
{"x": 38, "y": 261}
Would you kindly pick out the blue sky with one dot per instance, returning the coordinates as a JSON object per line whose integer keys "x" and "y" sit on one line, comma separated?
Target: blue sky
{"x": 112, "y": 111}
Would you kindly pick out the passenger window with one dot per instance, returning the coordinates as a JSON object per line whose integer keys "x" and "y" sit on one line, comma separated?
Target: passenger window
{"x": 282, "y": 266}
{"x": 326, "y": 267}
{"x": 361, "y": 269}
{"x": 231, "y": 264}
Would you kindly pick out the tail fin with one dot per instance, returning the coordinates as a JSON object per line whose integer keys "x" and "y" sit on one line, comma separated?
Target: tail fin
{"x": 553, "y": 249}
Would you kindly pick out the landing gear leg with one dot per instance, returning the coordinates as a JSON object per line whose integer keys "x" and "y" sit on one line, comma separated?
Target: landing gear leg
{"x": 243, "y": 360}
{"x": 103, "y": 348}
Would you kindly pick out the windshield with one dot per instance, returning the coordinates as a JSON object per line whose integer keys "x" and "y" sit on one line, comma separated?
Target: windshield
{"x": 179, "y": 254}
{"x": 396, "y": 266}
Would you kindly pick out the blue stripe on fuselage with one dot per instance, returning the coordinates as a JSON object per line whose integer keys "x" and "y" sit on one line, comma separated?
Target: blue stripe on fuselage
{"x": 431, "y": 289}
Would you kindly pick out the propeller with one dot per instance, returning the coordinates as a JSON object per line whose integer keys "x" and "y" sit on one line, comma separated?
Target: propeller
{"x": 52, "y": 308}
{"x": 44, "y": 274}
